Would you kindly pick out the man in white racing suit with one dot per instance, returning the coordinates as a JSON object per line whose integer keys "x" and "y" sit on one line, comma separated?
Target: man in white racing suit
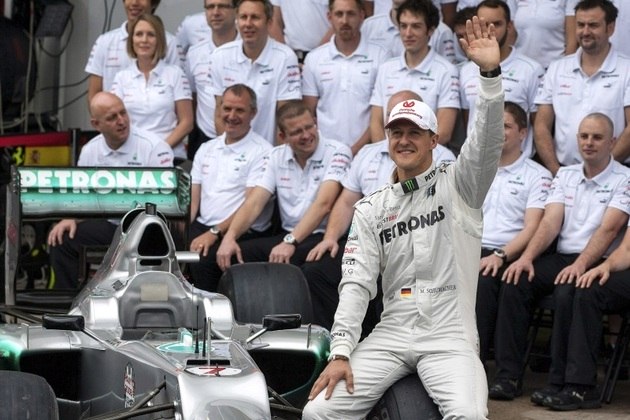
{"x": 422, "y": 233}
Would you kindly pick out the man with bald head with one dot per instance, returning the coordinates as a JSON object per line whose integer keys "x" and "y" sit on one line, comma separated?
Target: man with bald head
{"x": 117, "y": 145}
{"x": 370, "y": 169}
{"x": 586, "y": 209}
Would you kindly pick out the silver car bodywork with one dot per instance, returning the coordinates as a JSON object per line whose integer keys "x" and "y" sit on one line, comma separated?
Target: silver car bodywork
{"x": 140, "y": 338}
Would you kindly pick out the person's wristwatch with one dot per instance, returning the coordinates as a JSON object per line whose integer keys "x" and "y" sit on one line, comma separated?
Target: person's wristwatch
{"x": 338, "y": 357}
{"x": 492, "y": 73}
{"x": 290, "y": 239}
{"x": 501, "y": 254}
{"x": 215, "y": 231}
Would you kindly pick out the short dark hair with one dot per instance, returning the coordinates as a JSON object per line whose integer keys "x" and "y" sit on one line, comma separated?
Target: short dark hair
{"x": 266, "y": 5}
{"x": 290, "y": 110}
{"x": 464, "y": 14}
{"x": 519, "y": 114}
{"x": 496, "y": 4}
{"x": 241, "y": 89}
{"x": 610, "y": 11}
{"x": 359, "y": 3}
{"x": 424, "y": 8}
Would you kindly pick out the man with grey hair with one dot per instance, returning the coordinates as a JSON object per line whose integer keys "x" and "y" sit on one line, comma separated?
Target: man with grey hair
{"x": 224, "y": 171}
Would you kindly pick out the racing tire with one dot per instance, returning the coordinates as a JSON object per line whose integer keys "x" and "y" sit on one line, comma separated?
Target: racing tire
{"x": 26, "y": 396}
{"x": 406, "y": 399}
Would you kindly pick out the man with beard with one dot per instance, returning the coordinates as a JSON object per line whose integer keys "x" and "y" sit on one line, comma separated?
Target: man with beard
{"x": 594, "y": 79}
{"x": 523, "y": 74}
{"x": 342, "y": 72}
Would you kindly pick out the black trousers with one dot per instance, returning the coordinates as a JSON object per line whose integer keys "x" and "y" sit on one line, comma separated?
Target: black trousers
{"x": 256, "y": 250}
{"x": 323, "y": 278}
{"x": 514, "y": 313}
{"x": 585, "y": 335}
{"x": 487, "y": 306}
{"x": 64, "y": 258}
{"x": 195, "y": 139}
{"x": 206, "y": 273}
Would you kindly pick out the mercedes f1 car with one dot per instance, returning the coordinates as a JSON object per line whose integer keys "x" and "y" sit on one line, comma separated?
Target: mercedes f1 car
{"x": 140, "y": 340}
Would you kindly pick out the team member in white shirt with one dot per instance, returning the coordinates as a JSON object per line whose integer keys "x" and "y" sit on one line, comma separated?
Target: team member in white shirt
{"x": 546, "y": 29}
{"x": 305, "y": 173}
{"x": 521, "y": 74}
{"x": 117, "y": 145}
{"x": 220, "y": 16}
{"x": 265, "y": 65}
{"x": 586, "y": 209}
{"x": 511, "y": 212}
{"x": 371, "y": 168}
{"x": 343, "y": 72}
{"x": 109, "y": 53}
{"x": 383, "y": 30}
{"x": 301, "y": 24}
{"x": 594, "y": 79}
{"x": 194, "y": 28}
{"x": 223, "y": 173}
{"x": 622, "y": 22}
{"x": 156, "y": 94}
{"x": 419, "y": 69}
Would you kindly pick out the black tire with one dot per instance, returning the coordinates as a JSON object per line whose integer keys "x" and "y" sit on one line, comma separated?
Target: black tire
{"x": 406, "y": 399}
{"x": 26, "y": 396}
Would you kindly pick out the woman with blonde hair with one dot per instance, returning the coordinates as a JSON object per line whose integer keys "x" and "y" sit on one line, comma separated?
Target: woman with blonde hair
{"x": 156, "y": 94}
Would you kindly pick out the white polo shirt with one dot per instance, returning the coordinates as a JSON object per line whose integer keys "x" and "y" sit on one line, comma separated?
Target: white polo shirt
{"x": 521, "y": 78}
{"x": 586, "y": 200}
{"x": 151, "y": 104}
{"x": 540, "y": 26}
{"x": 343, "y": 85}
{"x": 141, "y": 149}
{"x": 621, "y": 27}
{"x": 435, "y": 79}
{"x": 274, "y": 76}
{"x": 372, "y": 167}
{"x": 517, "y": 187}
{"x": 297, "y": 188}
{"x": 305, "y": 22}
{"x": 224, "y": 173}
{"x": 383, "y": 6}
{"x": 193, "y": 30}
{"x": 198, "y": 73}
{"x": 380, "y": 30}
{"x": 109, "y": 55}
{"x": 575, "y": 95}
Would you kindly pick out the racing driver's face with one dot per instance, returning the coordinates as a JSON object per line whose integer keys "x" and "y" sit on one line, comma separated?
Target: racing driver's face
{"x": 411, "y": 148}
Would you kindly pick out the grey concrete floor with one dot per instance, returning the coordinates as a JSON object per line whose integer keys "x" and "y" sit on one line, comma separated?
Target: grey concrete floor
{"x": 522, "y": 408}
